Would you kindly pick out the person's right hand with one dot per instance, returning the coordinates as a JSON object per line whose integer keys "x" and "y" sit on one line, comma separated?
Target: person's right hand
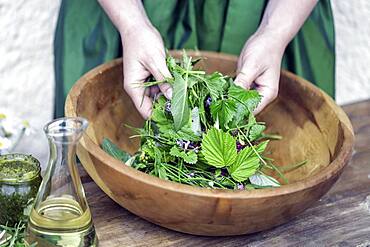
{"x": 144, "y": 55}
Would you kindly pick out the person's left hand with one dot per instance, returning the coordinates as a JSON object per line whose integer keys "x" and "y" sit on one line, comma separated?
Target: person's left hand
{"x": 259, "y": 66}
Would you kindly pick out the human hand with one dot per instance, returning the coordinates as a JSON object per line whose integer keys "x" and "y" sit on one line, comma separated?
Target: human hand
{"x": 259, "y": 66}
{"x": 144, "y": 55}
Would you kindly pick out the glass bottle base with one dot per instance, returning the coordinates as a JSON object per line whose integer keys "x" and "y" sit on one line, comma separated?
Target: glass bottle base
{"x": 47, "y": 238}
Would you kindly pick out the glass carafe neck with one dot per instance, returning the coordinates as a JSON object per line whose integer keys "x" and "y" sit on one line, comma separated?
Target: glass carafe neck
{"x": 61, "y": 178}
{"x": 63, "y": 135}
{"x": 65, "y": 131}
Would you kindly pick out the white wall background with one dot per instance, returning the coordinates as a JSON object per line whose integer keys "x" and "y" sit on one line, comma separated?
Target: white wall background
{"x": 352, "y": 27}
{"x": 26, "y": 60}
{"x": 26, "y": 66}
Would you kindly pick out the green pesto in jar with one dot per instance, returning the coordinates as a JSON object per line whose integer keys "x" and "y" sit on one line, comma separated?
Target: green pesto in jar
{"x": 19, "y": 182}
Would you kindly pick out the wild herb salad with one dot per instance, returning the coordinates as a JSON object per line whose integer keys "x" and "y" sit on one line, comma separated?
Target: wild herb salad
{"x": 206, "y": 135}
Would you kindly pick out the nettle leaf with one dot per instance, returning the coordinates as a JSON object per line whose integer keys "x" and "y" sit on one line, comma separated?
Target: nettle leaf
{"x": 165, "y": 128}
{"x": 189, "y": 157}
{"x": 159, "y": 113}
{"x": 246, "y": 164}
{"x": 248, "y": 98}
{"x": 171, "y": 63}
{"x": 252, "y": 119}
{"x": 186, "y": 60}
{"x": 224, "y": 110}
{"x": 113, "y": 150}
{"x": 185, "y": 133}
{"x": 195, "y": 121}
{"x": 215, "y": 83}
{"x": 179, "y": 102}
{"x": 219, "y": 148}
{"x": 247, "y": 101}
{"x": 262, "y": 180}
{"x": 159, "y": 116}
{"x": 256, "y": 131}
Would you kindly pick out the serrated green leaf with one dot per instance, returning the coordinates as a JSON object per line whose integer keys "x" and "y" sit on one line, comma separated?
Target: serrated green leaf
{"x": 215, "y": 83}
{"x": 224, "y": 110}
{"x": 189, "y": 157}
{"x": 113, "y": 150}
{"x": 247, "y": 101}
{"x": 159, "y": 116}
{"x": 171, "y": 63}
{"x": 165, "y": 128}
{"x": 248, "y": 98}
{"x": 246, "y": 165}
{"x": 186, "y": 60}
{"x": 185, "y": 133}
{"x": 219, "y": 148}
{"x": 179, "y": 102}
{"x": 256, "y": 131}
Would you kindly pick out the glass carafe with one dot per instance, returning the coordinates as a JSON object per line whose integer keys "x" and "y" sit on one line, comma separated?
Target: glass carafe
{"x": 61, "y": 215}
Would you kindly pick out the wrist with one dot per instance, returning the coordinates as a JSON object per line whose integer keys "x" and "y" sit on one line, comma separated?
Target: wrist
{"x": 126, "y": 15}
{"x": 277, "y": 37}
{"x": 133, "y": 25}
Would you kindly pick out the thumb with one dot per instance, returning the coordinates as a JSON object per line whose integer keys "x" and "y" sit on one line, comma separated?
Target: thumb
{"x": 142, "y": 102}
{"x": 268, "y": 92}
{"x": 160, "y": 72}
{"x": 246, "y": 76}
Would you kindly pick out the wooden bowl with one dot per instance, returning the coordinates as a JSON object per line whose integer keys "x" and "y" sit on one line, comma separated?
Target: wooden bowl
{"x": 313, "y": 127}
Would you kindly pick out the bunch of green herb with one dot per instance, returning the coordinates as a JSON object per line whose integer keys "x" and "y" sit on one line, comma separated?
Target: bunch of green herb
{"x": 14, "y": 236}
{"x": 206, "y": 135}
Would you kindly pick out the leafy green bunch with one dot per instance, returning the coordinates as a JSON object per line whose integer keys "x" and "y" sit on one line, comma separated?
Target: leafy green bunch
{"x": 206, "y": 135}
{"x": 13, "y": 236}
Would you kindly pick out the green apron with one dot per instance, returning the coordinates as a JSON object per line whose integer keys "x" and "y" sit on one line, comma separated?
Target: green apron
{"x": 85, "y": 37}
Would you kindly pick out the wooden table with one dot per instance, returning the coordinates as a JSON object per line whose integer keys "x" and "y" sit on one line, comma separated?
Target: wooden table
{"x": 340, "y": 218}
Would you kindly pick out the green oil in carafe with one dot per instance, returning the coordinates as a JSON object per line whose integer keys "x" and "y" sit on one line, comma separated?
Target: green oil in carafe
{"x": 60, "y": 221}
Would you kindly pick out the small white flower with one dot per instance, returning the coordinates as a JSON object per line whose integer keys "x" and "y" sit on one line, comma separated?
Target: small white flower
{"x": 4, "y": 143}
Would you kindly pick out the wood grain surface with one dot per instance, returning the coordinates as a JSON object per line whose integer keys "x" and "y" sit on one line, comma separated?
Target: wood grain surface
{"x": 313, "y": 127}
{"x": 340, "y": 218}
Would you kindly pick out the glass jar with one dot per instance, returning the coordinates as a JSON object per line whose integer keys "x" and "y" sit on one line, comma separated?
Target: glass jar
{"x": 19, "y": 182}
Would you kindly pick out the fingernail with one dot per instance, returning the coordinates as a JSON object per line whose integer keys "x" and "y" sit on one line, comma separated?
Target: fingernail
{"x": 238, "y": 83}
{"x": 147, "y": 114}
{"x": 169, "y": 93}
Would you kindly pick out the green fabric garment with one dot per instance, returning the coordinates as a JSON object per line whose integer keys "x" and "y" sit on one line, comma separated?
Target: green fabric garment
{"x": 85, "y": 37}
